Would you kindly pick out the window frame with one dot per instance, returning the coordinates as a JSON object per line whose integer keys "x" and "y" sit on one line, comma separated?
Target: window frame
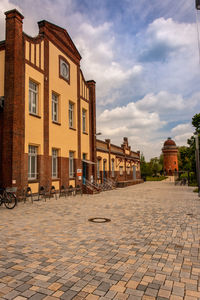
{"x": 84, "y": 120}
{"x": 98, "y": 168}
{"x": 32, "y": 152}
{"x": 55, "y": 103}
{"x": 71, "y": 164}
{"x": 54, "y": 160}
{"x": 63, "y": 60}
{"x": 71, "y": 114}
{"x": 121, "y": 170}
{"x": 33, "y": 96}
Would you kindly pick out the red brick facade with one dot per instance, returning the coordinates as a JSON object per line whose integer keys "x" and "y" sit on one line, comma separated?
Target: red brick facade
{"x": 170, "y": 153}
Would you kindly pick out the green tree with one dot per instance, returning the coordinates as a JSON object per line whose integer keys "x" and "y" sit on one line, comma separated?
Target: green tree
{"x": 145, "y": 167}
{"x": 155, "y": 165}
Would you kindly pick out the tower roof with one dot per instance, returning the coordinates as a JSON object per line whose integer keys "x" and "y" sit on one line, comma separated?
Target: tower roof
{"x": 169, "y": 142}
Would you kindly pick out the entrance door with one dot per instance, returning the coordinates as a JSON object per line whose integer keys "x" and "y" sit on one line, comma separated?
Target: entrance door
{"x": 134, "y": 172}
{"x": 104, "y": 170}
{"x": 84, "y": 169}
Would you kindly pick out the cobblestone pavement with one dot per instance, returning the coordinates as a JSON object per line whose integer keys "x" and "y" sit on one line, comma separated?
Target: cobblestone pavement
{"x": 149, "y": 250}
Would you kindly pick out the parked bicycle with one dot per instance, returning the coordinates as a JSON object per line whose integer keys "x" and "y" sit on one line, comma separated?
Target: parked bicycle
{"x": 8, "y": 197}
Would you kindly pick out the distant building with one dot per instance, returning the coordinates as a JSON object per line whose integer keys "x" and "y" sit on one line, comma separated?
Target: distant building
{"x": 170, "y": 154}
{"x": 48, "y": 114}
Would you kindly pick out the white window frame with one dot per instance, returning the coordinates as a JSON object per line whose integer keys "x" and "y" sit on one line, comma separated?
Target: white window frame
{"x": 71, "y": 114}
{"x": 55, "y": 107}
{"x": 54, "y": 168}
{"x": 113, "y": 168}
{"x": 71, "y": 164}
{"x": 32, "y": 162}
{"x": 33, "y": 97}
{"x": 84, "y": 120}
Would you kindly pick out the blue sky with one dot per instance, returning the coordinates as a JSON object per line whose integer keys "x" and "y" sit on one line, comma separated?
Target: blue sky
{"x": 143, "y": 56}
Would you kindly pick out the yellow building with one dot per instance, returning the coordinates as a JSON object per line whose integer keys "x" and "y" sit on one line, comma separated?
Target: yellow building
{"x": 118, "y": 164}
{"x": 47, "y": 110}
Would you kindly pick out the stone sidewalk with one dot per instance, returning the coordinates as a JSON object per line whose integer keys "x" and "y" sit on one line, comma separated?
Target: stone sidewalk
{"x": 149, "y": 250}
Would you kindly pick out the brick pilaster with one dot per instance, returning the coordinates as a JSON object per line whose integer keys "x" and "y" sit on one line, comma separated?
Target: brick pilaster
{"x": 14, "y": 107}
{"x": 92, "y": 118}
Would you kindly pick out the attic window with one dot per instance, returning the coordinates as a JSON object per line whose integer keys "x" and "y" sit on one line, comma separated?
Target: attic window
{"x": 64, "y": 69}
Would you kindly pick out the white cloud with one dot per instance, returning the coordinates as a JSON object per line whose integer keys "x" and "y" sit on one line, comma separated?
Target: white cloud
{"x": 171, "y": 33}
{"x": 5, "y": 5}
{"x": 182, "y": 133}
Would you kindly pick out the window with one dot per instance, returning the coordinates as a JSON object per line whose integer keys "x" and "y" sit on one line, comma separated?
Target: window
{"x": 128, "y": 170}
{"x": 71, "y": 164}
{"x": 32, "y": 162}
{"x": 84, "y": 113}
{"x": 54, "y": 107}
{"x": 54, "y": 163}
{"x": 113, "y": 168}
{"x": 33, "y": 97}
{"x": 98, "y": 168}
{"x": 121, "y": 170}
{"x": 71, "y": 115}
{"x": 64, "y": 69}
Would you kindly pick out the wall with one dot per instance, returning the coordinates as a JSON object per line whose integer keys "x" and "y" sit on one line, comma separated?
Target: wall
{"x": 60, "y": 136}
{"x": 34, "y": 137}
{"x": 2, "y": 66}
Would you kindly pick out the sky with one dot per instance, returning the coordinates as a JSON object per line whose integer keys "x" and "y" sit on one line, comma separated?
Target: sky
{"x": 143, "y": 56}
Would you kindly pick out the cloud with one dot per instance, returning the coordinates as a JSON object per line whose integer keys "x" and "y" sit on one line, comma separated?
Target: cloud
{"x": 97, "y": 45}
{"x": 182, "y": 133}
{"x": 5, "y": 5}
{"x": 165, "y": 38}
{"x": 143, "y": 56}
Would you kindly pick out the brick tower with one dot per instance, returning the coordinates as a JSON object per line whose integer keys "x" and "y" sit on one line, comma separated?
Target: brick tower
{"x": 170, "y": 153}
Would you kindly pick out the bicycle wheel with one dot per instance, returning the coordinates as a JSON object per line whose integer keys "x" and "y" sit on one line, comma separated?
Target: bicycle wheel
{"x": 10, "y": 200}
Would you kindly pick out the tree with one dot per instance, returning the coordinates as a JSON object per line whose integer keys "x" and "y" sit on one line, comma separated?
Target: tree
{"x": 145, "y": 167}
{"x": 187, "y": 160}
{"x": 155, "y": 165}
{"x": 196, "y": 122}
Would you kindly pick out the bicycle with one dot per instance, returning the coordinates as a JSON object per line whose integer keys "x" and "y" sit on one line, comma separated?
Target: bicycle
{"x": 8, "y": 197}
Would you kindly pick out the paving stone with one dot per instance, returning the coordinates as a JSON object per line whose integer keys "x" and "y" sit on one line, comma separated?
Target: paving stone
{"x": 68, "y": 295}
{"x": 149, "y": 247}
{"x": 23, "y": 287}
{"x": 37, "y": 296}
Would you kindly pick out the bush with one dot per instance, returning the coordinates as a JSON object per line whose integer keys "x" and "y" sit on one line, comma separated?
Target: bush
{"x": 160, "y": 178}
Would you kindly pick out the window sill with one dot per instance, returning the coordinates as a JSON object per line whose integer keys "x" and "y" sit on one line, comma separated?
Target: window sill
{"x": 34, "y": 115}
{"x": 72, "y": 128}
{"x": 55, "y": 179}
{"x": 56, "y": 123}
{"x": 33, "y": 181}
{"x": 71, "y": 178}
{"x": 84, "y": 132}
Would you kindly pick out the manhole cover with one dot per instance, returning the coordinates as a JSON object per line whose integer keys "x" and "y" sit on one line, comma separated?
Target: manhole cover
{"x": 191, "y": 215}
{"x": 99, "y": 220}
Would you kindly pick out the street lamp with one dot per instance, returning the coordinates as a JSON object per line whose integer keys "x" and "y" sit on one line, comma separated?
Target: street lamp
{"x": 198, "y": 4}
{"x": 197, "y": 161}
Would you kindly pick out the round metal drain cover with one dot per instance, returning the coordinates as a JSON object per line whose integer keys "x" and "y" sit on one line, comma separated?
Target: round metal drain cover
{"x": 191, "y": 215}
{"x": 99, "y": 220}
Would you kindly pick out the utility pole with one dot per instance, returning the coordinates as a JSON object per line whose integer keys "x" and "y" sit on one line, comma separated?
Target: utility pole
{"x": 197, "y": 161}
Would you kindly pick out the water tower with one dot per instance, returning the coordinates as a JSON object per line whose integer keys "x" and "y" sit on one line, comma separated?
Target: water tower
{"x": 170, "y": 156}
